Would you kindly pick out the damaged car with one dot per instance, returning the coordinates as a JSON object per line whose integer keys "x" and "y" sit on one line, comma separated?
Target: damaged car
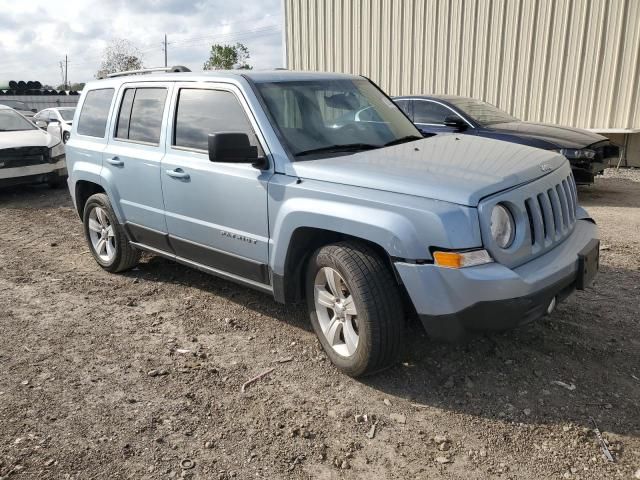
{"x": 27, "y": 153}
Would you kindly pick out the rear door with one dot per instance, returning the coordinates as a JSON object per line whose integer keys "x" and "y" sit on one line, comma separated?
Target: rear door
{"x": 132, "y": 159}
{"x": 216, "y": 212}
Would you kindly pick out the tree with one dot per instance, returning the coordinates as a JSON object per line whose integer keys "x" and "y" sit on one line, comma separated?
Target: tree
{"x": 121, "y": 55}
{"x": 227, "y": 57}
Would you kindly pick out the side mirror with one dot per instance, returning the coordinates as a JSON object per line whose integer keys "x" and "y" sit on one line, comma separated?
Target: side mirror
{"x": 456, "y": 122}
{"x": 232, "y": 147}
{"x": 54, "y": 121}
{"x": 41, "y": 124}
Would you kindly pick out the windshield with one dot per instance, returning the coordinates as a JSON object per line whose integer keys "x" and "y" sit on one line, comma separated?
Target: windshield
{"x": 18, "y": 105}
{"x": 482, "y": 112}
{"x": 334, "y": 117}
{"x": 67, "y": 115}
{"x": 11, "y": 121}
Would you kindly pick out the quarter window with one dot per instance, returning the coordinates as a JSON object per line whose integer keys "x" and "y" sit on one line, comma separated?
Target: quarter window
{"x": 95, "y": 111}
{"x": 140, "y": 117}
{"x": 430, "y": 112}
{"x": 203, "y": 112}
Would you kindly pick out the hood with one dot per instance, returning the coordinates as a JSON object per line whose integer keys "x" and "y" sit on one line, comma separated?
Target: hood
{"x": 26, "y": 138}
{"x": 549, "y": 136}
{"x": 460, "y": 169}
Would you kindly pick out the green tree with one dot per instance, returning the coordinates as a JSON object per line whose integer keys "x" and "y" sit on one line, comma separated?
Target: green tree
{"x": 228, "y": 57}
{"x": 121, "y": 55}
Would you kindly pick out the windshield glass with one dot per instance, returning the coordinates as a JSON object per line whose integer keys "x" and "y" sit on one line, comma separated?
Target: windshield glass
{"x": 11, "y": 121}
{"x": 482, "y": 112}
{"x": 334, "y": 117}
{"x": 67, "y": 115}
{"x": 18, "y": 105}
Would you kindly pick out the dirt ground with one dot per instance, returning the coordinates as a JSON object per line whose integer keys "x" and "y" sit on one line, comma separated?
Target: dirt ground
{"x": 139, "y": 375}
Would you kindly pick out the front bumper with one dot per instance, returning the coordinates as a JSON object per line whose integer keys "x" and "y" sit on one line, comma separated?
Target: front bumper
{"x": 32, "y": 173}
{"x": 451, "y": 302}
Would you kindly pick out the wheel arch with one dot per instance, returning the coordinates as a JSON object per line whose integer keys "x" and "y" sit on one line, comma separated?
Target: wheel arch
{"x": 83, "y": 190}
{"x": 288, "y": 286}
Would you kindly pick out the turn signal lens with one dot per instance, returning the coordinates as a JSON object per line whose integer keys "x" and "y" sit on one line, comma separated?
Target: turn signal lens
{"x": 461, "y": 259}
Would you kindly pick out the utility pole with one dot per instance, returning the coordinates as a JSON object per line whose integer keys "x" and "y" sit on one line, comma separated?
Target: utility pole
{"x": 165, "y": 49}
{"x": 66, "y": 65}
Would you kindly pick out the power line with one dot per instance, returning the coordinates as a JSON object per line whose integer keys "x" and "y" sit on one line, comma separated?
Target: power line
{"x": 240, "y": 35}
{"x": 196, "y": 40}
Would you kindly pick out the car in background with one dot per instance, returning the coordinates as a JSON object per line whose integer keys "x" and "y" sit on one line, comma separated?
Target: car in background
{"x": 28, "y": 154}
{"x": 19, "y": 106}
{"x": 56, "y": 117}
{"x": 587, "y": 152}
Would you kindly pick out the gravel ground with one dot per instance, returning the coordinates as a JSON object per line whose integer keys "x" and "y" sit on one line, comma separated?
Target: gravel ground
{"x": 139, "y": 375}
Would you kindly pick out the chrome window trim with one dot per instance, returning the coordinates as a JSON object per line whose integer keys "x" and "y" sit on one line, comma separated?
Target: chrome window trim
{"x": 439, "y": 103}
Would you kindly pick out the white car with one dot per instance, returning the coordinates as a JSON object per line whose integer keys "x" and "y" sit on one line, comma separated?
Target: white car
{"x": 28, "y": 154}
{"x": 57, "y": 121}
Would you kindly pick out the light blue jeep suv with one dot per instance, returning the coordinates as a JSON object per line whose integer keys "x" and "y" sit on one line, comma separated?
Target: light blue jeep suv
{"x": 316, "y": 187}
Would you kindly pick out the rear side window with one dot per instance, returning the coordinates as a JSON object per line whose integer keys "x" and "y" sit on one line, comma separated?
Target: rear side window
{"x": 202, "y": 112}
{"x": 95, "y": 110}
{"x": 140, "y": 117}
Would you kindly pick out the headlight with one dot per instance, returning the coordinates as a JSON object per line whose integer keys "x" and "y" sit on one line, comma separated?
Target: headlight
{"x": 503, "y": 228}
{"x": 577, "y": 153}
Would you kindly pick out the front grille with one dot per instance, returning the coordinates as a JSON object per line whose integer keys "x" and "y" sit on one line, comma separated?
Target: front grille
{"x": 23, "y": 156}
{"x": 544, "y": 212}
{"x": 552, "y": 213}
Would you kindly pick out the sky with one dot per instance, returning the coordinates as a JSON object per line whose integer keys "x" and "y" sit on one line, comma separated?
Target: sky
{"x": 36, "y": 35}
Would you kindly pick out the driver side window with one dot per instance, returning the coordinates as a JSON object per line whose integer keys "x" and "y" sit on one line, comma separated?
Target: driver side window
{"x": 425, "y": 111}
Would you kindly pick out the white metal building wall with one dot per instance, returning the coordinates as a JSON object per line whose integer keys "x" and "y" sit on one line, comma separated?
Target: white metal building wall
{"x": 571, "y": 62}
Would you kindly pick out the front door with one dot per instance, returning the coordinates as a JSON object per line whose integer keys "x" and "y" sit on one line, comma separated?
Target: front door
{"x": 216, "y": 212}
{"x": 132, "y": 160}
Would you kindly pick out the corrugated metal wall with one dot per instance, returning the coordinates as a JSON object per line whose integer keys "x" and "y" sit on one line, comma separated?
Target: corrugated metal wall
{"x": 571, "y": 62}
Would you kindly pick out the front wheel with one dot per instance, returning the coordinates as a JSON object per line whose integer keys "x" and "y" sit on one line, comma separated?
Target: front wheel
{"x": 65, "y": 137}
{"x": 106, "y": 238}
{"x": 355, "y": 307}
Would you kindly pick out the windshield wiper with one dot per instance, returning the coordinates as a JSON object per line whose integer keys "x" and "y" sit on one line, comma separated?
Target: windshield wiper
{"x": 347, "y": 147}
{"x": 408, "y": 138}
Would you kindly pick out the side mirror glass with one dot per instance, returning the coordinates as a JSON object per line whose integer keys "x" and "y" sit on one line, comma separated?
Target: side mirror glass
{"x": 234, "y": 147}
{"x": 41, "y": 124}
{"x": 456, "y": 122}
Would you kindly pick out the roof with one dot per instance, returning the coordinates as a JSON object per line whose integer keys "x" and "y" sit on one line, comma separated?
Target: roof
{"x": 5, "y": 107}
{"x": 258, "y": 76}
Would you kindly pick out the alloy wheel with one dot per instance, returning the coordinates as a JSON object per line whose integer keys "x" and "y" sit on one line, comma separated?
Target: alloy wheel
{"x": 102, "y": 235}
{"x": 336, "y": 311}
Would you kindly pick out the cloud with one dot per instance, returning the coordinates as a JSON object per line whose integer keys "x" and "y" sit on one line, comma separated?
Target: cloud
{"x": 35, "y": 37}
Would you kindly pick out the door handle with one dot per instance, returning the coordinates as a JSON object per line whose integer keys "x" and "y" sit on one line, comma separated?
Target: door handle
{"x": 178, "y": 173}
{"x": 115, "y": 161}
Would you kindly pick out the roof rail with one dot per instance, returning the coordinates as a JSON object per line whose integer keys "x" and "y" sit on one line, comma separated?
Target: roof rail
{"x": 174, "y": 69}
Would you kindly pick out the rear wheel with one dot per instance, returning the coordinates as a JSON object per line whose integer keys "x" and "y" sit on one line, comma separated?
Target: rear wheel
{"x": 355, "y": 307}
{"x": 106, "y": 237}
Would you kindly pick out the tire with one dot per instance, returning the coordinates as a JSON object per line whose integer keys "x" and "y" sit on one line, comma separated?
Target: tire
{"x": 56, "y": 181}
{"x": 65, "y": 137}
{"x": 378, "y": 318}
{"x": 116, "y": 254}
